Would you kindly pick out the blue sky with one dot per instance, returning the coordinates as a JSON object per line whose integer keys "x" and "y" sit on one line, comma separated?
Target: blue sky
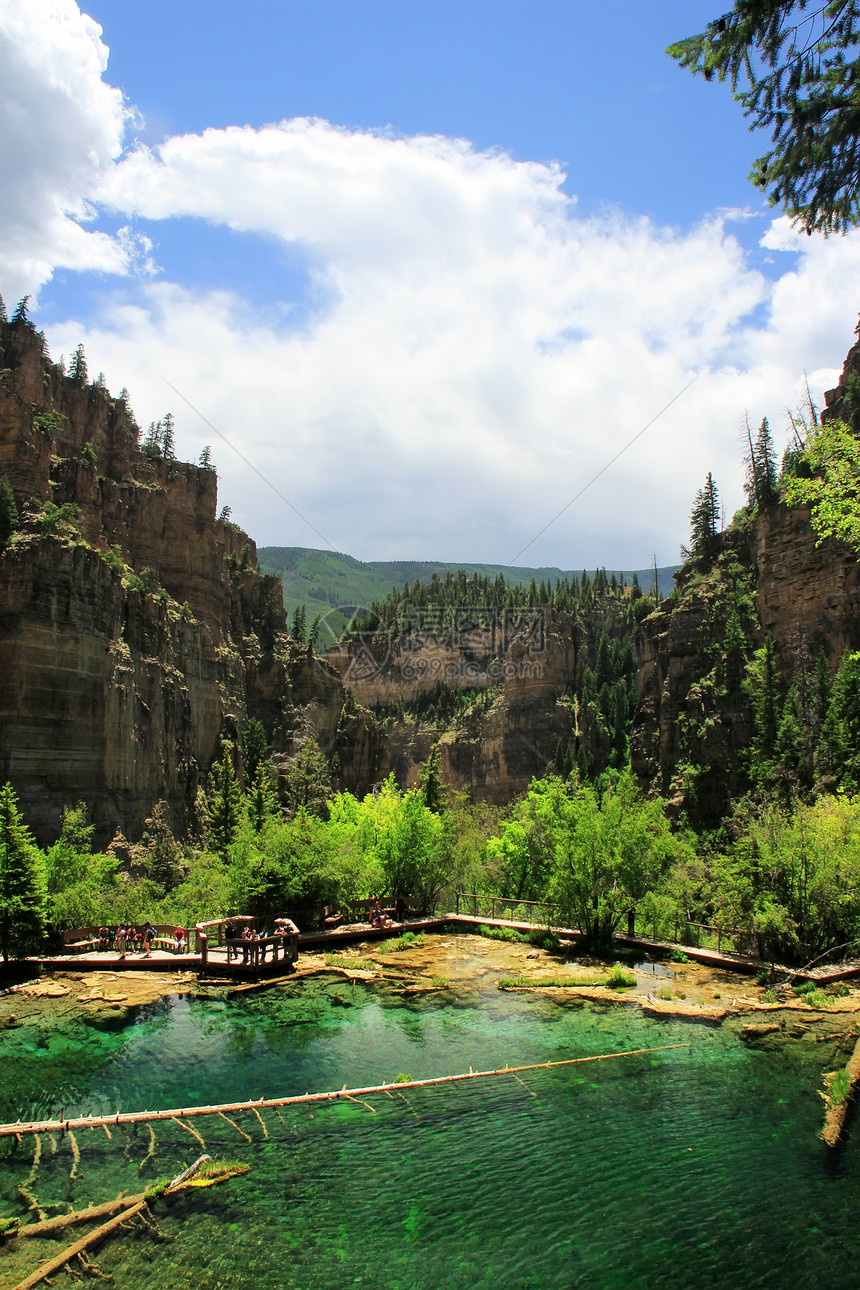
{"x": 490, "y": 242}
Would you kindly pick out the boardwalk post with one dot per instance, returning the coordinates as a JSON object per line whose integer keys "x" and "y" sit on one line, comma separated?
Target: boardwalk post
{"x": 203, "y": 943}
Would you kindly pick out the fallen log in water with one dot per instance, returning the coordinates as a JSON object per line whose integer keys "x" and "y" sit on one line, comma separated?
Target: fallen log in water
{"x": 128, "y": 1207}
{"x": 834, "y": 1118}
{"x": 148, "y": 1117}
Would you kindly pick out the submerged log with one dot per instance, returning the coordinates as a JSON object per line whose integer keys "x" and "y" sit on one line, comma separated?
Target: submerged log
{"x": 148, "y": 1117}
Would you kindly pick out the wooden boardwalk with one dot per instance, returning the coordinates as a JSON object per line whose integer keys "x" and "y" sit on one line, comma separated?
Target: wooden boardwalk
{"x": 333, "y": 938}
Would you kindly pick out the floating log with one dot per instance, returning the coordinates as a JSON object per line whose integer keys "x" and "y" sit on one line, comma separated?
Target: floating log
{"x": 147, "y": 1117}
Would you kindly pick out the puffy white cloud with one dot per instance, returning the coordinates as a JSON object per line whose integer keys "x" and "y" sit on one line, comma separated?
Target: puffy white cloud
{"x": 476, "y": 352}
{"x": 60, "y": 125}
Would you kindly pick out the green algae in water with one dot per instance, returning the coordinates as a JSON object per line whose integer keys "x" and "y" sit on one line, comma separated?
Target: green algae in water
{"x": 693, "y": 1167}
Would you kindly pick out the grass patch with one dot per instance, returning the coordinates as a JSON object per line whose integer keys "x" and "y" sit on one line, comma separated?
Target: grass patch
{"x": 509, "y": 934}
{"x": 408, "y": 941}
{"x": 349, "y": 962}
{"x": 402, "y": 1078}
{"x": 810, "y": 994}
{"x": 618, "y": 978}
{"x": 440, "y": 982}
{"x": 664, "y": 993}
{"x": 839, "y": 1086}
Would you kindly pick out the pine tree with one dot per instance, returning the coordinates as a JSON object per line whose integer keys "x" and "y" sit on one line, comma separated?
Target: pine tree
{"x": 19, "y": 317}
{"x": 431, "y": 784}
{"x": 705, "y": 520}
{"x": 22, "y": 882}
{"x": 204, "y": 461}
{"x": 3, "y": 317}
{"x": 763, "y": 688}
{"x": 168, "y": 438}
{"x": 162, "y": 853}
{"x": 261, "y": 801}
{"x": 307, "y": 780}
{"x": 762, "y": 480}
{"x": 255, "y": 747}
{"x": 635, "y": 589}
{"x": 224, "y": 804}
{"x": 8, "y": 513}
{"x": 798, "y": 76}
{"x": 297, "y": 630}
{"x": 78, "y": 369}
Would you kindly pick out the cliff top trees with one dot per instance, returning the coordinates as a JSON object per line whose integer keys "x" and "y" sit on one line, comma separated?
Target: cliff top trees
{"x": 833, "y": 492}
{"x": 793, "y": 67}
{"x": 705, "y": 521}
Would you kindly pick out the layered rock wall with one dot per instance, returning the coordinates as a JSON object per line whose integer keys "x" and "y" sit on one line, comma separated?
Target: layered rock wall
{"x": 138, "y": 632}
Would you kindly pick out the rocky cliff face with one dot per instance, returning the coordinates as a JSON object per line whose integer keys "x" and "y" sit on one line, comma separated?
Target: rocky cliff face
{"x": 694, "y": 721}
{"x": 135, "y": 629}
{"x": 515, "y": 672}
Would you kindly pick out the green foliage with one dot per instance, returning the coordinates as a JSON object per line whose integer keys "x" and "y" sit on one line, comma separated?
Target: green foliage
{"x": 78, "y": 366}
{"x": 88, "y": 453}
{"x": 402, "y": 1078}
{"x": 618, "y": 978}
{"x": 431, "y": 783}
{"x": 705, "y": 521}
{"x": 307, "y": 781}
{"x": 78, "y": 880}
{"x": 22, "y": 882}
{"x": 51, "y": 422}
{"x": 161, "y": 853}
{"x": 19, "y": 317}
{"x": 595, "y": 857}
{"x": 678, "y": 956}
{"x": 255, "y": 747}
{"x": 407, "y": 941}
{"x": 795, "y": 73}
{"x": 839, "y": 1087}
{"x": 261, "y": 798}
{"x": 59, "y": 520}
{"x": 8, "y": 513}
{"x": 223, "y": 803}
{"x": 832, "y": 488}
{"x": 508, "y": 934}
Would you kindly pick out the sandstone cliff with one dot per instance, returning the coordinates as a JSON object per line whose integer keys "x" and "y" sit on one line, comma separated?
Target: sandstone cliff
{"x": 136, "y": 630}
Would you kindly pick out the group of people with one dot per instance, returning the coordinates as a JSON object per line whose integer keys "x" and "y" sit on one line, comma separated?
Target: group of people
{"x": 138, "y": 939}
{"x": 253, "y": 943}
{"x": 376, "y": 915}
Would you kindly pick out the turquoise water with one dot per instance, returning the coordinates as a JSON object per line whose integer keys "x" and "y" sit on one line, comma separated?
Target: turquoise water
{"x": 694, "y": 1167}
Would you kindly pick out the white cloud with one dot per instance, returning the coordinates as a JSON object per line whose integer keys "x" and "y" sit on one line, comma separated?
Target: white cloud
{"x": 60, "y": 125}
{"x": 478, "y": 351}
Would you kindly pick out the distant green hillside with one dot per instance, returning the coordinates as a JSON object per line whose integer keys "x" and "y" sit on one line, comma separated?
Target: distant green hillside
{"x": 326, "y": 581}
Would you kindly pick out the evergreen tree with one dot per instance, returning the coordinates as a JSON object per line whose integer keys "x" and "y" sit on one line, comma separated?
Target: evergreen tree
{"x": 763, "y": 689}
{"x": 260, "y": 799}
{"x": 705, "y": 520}
{"x": 204, "y": 461}
{"x": 431, "y": 784}
{"x": 8, "y": 513}
{"x": 635, "y": 589}
{"x": 255, "y": 747}
{"x": 298, "y": 628}
{"x": 307, "y": 781}
{"x": 22, "y": 882}
{"x": 162, "y": 854}
{"x": 78, "y": 369}
{"x": 168, "y": 437}
{"x": 270, "y": 619}
{"x": 19, "y": 317}
{"x": 224, "y": 804}
{"x": 797, "y": 75}
{"x": 3, "y": 317}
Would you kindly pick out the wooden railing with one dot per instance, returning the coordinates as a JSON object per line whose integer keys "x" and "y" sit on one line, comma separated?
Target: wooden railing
{"x": 538, "y": 912}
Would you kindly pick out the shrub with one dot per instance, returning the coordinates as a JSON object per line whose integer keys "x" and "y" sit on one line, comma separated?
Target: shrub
{"x": 618, "y": 978}
{"x": 678, "y": 956}
{"x": 664, "y": 992}
{"x": 402, "y": 1078}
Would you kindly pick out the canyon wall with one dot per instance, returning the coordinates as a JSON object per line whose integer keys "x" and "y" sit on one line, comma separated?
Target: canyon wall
{"x": 136, "y": 631}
